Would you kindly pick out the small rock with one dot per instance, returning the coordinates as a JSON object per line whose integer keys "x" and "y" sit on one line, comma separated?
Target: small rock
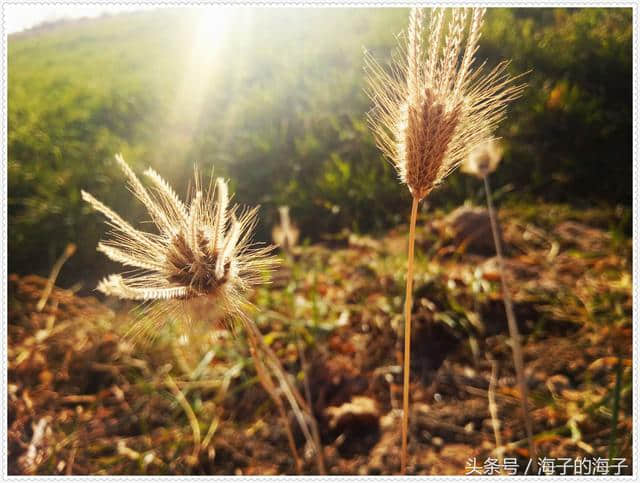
{"x": 361, "y": 410}
{"x": 357, "y": 424}
{"x": 470, "y": 229}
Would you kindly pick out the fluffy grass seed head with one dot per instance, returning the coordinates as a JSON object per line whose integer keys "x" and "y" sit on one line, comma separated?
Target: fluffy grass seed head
{"x": 202, "y": 249}
{"x": 431, "y": 107}
{"x": 483, "y": 159}
{"x": 286, "y": 234}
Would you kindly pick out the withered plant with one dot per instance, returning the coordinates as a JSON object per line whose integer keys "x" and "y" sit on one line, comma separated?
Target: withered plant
{"x": 202, "y": 257}
{"x": 482, "y": 161}
{"x": 286, "y": 234}
{"x": 431, "y": 108}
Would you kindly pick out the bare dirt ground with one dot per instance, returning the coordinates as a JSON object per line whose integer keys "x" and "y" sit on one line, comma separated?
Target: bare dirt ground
{"x": 83, "y": 399}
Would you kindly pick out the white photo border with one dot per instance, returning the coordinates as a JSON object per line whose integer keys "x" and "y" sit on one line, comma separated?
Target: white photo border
{"x": 319, "y": 4}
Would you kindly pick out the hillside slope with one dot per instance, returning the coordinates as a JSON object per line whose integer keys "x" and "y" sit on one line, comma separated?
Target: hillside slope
{"x": 274, "y": 99}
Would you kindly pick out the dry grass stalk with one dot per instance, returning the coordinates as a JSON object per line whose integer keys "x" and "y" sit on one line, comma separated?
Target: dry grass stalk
{"x": 493, "y": 410}
{"x": 315, "y": 432}
{"x": 516, "y": 343}
{"x": 431, "y": 108}
{"x": 201, "y": 257}
{"x": 286, "y": 234}
{"x": 407, "y": 337}
{"x": 267, "y": 383}
{"x": 301, "y": 410}
{"x": 482, "y": 161}
{"x": 55, "y": 271}
{"x": 191, "y": 416}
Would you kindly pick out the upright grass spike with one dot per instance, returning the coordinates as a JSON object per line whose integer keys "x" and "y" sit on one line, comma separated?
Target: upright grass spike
{"x": 431, "y": 108}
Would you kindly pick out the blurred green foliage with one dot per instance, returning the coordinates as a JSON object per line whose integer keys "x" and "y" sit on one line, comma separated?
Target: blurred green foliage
{"x": 277, "y": 104}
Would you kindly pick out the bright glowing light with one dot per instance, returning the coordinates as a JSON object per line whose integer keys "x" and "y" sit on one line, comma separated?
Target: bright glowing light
{"x": 210, "y": 27}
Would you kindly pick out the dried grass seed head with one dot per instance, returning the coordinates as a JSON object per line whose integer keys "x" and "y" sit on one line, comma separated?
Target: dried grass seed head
{"x": 202, "y": 249}
{"x": 483, "y": 159}
{"x": 286, "y": 234}
{"x": 431, "y": 108}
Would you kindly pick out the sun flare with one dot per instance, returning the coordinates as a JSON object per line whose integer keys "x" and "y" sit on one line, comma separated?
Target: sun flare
{"x": 210, "y": 25}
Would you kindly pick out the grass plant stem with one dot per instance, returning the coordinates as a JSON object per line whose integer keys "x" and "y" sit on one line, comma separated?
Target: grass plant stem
{"x": 301, "y": 410}
{"x": 514, "y": 333}
{"x": 407, "y": 337}
{"x": 268, "y": 385}
{"x": 55, "y": 271}
{"x": 493, "y": 410}
{"x": 315, "y": 432}
{"x": 191, "y": 416}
